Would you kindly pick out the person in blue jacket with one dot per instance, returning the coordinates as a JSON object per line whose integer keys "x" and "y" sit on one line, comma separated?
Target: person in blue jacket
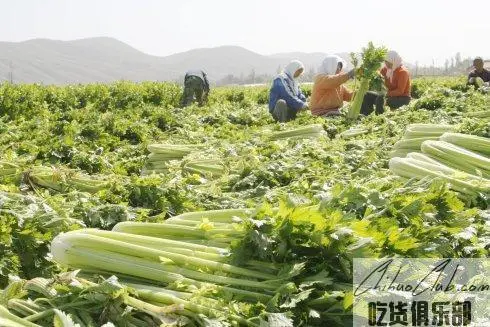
{"x": 285, "y": 97}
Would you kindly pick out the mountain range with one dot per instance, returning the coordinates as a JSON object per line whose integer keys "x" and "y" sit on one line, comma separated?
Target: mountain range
{"x": 105, "y": 59}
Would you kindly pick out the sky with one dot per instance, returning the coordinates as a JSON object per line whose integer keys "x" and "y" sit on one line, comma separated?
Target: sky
{"x": 423, "y": 31}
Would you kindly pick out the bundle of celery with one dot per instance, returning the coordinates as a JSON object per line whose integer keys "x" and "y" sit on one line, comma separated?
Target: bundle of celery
{"x": 174, "y": 263}
{"x": 457, "y": 157}
{"x": 205, "y": 233}
{"x": 474, "y": 143}
{"x": 223, "y": 225}
{"x": 308, "y": 131}
{"x": 418, "y": 166}
{"x": 353, "y": 132}
{"x": 62, "y": 179}
{"x": 223, "y": 216}
{"x": 415, "y": 134}
{"x": 79, "y": 299}
{"x": 205, "y": 167}
{"x": 427, "y": 130}
{"x": 208, "y": 231}
{"x": 137, "y": 256}
{"x": 186, "y": 254}
{"x": 372, "y": 58}
{"x": 193, "y": 307}
{"x": 377, "y": 84}
{"x": 70, "y": 300}
{"x": 161, "y": 154}
{"x": 171, "y": 151}
{"x": 446, "y": 155}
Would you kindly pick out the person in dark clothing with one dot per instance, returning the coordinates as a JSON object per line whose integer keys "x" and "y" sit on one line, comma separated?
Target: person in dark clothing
{"x": 478, "y": 72}
{"x": 196, "y": 87}
{"x": 372, "y": 98}
{"x": 377, "y": 100}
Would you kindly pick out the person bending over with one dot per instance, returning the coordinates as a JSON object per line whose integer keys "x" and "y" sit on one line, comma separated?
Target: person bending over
{"x": 196, "y": 88}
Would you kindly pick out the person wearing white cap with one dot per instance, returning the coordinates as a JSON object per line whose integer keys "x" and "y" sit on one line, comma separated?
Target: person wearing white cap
{"x": 285, "y": 96}
{"x": 397, "y": 81}
{"x": 329, "y": 93}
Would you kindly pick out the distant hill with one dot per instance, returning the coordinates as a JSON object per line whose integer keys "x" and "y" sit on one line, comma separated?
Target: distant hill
{"x": 221, "y": 61}
{"x": 106, "y": 59}
{"x": 80, "y": 61}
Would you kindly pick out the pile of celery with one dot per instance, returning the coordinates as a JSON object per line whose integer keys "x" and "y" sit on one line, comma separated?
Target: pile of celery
{"x": 166, "y": 263}
{"x": 463, "y": 161}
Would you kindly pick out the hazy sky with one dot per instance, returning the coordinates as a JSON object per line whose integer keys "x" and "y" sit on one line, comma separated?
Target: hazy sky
{"x": 422, "y": 30}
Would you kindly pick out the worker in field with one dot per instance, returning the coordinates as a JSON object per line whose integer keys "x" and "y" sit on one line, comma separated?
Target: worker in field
{"x": 398, "y": 86}
{"x": 397, "y": 81}
{"x": 285, "y": 96}
{"x": 329, "y": 93}
{"x": 196, "y": 88}
{"x": 479, "y": 76}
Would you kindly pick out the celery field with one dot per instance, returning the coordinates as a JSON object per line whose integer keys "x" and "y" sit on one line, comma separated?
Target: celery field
{"x": 119, "y": 208}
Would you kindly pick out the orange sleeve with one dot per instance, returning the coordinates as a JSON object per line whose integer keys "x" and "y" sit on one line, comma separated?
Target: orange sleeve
{"x": 347, "y": 94}
{"x": 331, "y": 81}
{"x": 386, "y": 80}
{"x": 401, "y": 85}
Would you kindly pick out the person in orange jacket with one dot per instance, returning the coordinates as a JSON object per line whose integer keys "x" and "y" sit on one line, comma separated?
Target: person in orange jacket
{"x": 329, "y": 93}
{"x": 397, "y": 81}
